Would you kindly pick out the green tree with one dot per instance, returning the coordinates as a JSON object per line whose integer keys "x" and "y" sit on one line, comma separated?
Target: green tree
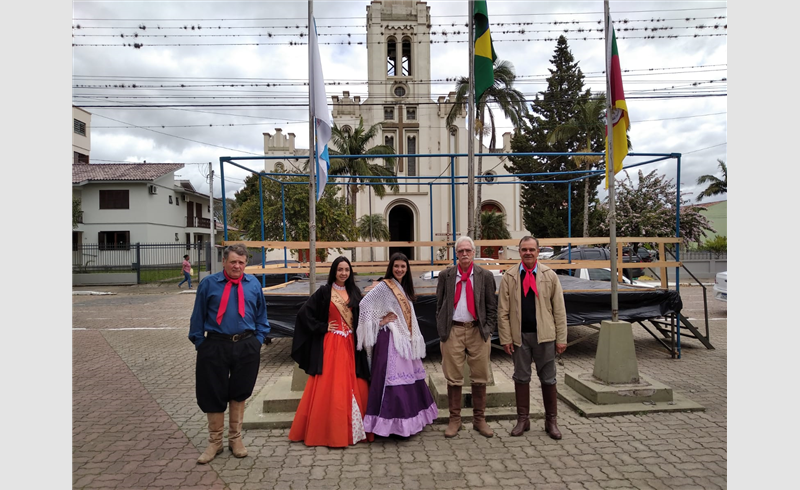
{"x": 493, "y": 227}
{"x": 77, "y": 214}
{"x": 716, "y": 186}
{"x": 647, "y": 208}
{"x": 508, "y": 99}
{"x": 544, "y": 206}
{"x": 717, "y": 245}
{"x": 333, "y": 217}
{"x": 373, "y": 227}
{"x": 588, "y": 124}
{"x": 356, "y": 142}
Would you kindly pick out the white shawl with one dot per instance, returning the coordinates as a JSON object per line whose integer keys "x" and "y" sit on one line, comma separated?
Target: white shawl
{"x": 375, "y": 305}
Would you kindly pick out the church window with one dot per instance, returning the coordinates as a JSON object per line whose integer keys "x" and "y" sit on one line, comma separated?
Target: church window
{"x": 347, "y": 129}
{"x": 411, "y": 114}
{"x": 490, "y": 177}
{"x": 388, "y": 140}
{"x": 453, "y": 139}
{"x": 411, "y": 147}
{"x": 406, "y": 59}
{"x": 400, "y": 91}
{"x": 388, "y": 113}
{"x": 391, "y": 56}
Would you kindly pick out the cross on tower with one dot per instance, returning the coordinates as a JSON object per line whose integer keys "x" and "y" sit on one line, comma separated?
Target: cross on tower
{"x": 400, "y": 126}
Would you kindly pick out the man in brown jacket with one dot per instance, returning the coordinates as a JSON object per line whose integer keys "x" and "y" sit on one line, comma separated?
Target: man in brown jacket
{"x": 466, "y": 316}
{"x": 532, "y": 325}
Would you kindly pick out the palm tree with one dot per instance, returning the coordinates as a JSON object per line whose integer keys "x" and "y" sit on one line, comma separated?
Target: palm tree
{"x": 373, "y": 227}
{"x": 354, "y": 142}
{"x": 716, "y": 186}
{"x": 502, "y": 93}
{"x": 493, "y": 227}
{"x": 589, "y": 122}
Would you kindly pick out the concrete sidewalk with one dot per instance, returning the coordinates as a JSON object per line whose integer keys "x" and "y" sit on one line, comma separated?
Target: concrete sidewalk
{"x": 136, "y": 424}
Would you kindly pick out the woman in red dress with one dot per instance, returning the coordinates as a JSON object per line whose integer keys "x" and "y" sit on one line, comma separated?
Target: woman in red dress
{"x": 331, "y": 411}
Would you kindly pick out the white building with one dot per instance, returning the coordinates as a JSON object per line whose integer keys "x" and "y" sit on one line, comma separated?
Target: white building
{"x": 399, "y": 97}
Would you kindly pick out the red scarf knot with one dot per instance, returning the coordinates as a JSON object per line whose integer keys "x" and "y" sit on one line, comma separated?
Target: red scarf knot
{"x": 223, "y": 304}
{"x": 529, "y": 281}
{"x": 465, "y": 282}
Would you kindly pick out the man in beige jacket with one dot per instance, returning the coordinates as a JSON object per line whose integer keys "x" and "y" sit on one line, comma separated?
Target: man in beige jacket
{"x": 532, "y": 325}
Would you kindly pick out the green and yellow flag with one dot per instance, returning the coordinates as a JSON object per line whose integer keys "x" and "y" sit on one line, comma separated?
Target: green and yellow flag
{"x": 484, "y": 51}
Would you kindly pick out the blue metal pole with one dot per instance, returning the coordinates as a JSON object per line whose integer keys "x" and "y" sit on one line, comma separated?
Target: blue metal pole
{"x": 261, "y": 211}
{"x": 453, "y": 200}
{"x": 430, "y": 200}
{"x": 224, "y": 208}
{"x": 678, "y": 247}
{"x": 283, "y": 212}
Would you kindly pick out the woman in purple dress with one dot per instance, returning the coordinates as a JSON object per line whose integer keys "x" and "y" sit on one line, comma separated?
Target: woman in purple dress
{"x": 399, "y": 401}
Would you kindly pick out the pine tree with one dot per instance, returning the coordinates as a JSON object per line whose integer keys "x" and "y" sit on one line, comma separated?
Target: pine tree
{"x": 545, "y": 210}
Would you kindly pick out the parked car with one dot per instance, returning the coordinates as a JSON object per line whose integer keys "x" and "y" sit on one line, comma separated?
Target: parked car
{"x": 605, "y": 275}
{"x": 545, "y": 252}
{"x": 280, "y": 278}
{"x": 721, "y": 286}
{"x": 645, "y": 254}
{"x": 597, "y": 253}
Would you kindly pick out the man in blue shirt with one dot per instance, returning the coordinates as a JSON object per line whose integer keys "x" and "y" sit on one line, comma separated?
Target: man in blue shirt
{"x": 228, "y": 326}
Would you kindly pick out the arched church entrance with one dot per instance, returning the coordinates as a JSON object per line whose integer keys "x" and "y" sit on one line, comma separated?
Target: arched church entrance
{"x": 401, "y": 229}
{"x": 493, "y": 252}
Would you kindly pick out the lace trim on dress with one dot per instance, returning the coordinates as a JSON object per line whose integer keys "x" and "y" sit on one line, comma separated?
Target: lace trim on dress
{"x": 358, "y": 423}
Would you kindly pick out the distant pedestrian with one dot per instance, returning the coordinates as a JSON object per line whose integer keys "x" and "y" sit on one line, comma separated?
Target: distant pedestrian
{"x": 228, "y": 326}
{"x": 187, "y": 272}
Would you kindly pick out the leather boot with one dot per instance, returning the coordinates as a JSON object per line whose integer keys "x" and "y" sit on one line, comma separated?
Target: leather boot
{"x": 479, "y": 410}
{"x": 523, "y": 394}
{"x": 235, "y": 417}
{"x": 216, "y": 424}
{"x": 550, "y": 399}
{"x": 454, "y": 403}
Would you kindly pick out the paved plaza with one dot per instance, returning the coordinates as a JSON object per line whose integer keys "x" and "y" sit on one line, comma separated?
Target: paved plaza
{"x": 136, "y": 424}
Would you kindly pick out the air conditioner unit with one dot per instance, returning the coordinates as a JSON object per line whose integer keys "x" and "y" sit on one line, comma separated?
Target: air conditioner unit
{"x": 152, "y": 189}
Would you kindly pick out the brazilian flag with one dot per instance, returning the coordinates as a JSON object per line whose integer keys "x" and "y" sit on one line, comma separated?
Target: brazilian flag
{"x": 484, "y": 51}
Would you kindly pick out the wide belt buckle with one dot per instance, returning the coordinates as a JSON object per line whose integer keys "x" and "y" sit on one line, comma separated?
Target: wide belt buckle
{"x": 236, "y": 337}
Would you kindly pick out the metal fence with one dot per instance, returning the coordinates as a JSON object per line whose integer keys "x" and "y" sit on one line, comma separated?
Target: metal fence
{"x": 152, "y": 262}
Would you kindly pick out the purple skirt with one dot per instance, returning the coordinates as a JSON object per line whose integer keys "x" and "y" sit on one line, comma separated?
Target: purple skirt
{"x": 399, "y": 401}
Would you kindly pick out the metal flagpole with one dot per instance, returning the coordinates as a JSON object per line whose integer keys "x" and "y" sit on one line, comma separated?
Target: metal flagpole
{"x": 213, "y": 222}
{"x": 312, "y": 162}
{"x": 612, "y": 217}
{"x": 471, "y": 126}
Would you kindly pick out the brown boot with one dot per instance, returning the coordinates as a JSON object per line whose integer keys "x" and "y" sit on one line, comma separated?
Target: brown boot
{"x": 454, "y": 403}
{"x": 479, "y": 410}
{"x": 216, "y": 424}
{"x": 235, "y": 417}
{"x": 523, "y": 393}
{"x": 550, "y": 399}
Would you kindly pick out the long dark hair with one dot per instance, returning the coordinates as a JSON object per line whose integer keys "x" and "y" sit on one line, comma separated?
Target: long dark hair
{"x": 350, "y": 284}
{"x": 407, "y": 282}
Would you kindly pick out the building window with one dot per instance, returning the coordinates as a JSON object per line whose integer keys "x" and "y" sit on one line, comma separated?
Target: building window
{"x": 400, "y": 91}
{"x": 347, "y": 129}
{"x": 406, "y": 59}
{"x": 114, "y": 240}
{"x": 411, "y": 114}
{"x": 489, "y": 177}
{"x": 114, "y": 199}
{"x": 411, "y": 147}
{"x": 170, "y": 199}
{"x": 177, "y": 201}
{"x": 388, "y": 140}
{"x": 79, "y": 127}
{"x": 79, "y": 157}
{"x": 388, "y": 113}
{"x": 391, "y": 56}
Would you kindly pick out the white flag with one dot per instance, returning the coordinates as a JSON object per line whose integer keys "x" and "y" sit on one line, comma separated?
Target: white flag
{"x": 322, "y": 116}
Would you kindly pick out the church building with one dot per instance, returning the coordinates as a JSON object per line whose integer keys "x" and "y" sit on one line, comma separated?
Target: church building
{"x": 399, "y": 97}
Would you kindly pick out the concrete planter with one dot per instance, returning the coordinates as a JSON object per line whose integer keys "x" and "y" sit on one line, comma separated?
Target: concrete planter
{"x": 110, "y": 279}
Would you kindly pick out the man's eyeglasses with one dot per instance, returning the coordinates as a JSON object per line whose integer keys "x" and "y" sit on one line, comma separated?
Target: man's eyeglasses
{"x": 525, "y": 250}
{"x": 464, "y": 251}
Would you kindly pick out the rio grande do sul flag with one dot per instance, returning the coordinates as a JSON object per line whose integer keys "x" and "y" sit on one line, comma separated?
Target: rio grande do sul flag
{"x": 484, "y": 50}
{"x": 619, "y": 113}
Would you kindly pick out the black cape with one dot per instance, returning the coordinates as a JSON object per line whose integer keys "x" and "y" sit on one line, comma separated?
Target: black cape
{"x": 311, "y": 325}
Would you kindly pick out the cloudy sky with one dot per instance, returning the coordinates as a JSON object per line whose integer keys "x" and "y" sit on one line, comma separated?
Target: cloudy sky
{"x": 236, "y": 70}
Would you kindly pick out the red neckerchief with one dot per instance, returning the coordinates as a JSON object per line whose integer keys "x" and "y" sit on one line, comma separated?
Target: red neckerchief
{"x": 223, "y": 304}
{"x": 529, "y": 282}
{"x": 470, "y": 296}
